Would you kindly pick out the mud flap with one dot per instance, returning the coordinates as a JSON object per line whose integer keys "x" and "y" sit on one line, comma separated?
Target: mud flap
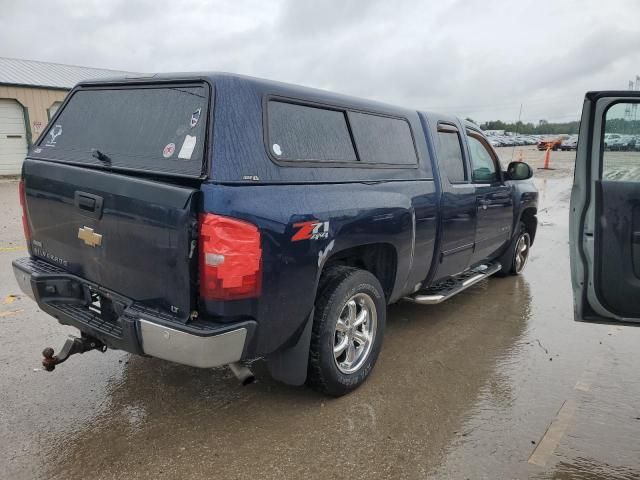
{"x": 290, "y": 364}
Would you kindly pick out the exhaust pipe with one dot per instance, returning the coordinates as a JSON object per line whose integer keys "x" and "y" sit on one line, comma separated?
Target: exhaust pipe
{"x": 242, "y": 373}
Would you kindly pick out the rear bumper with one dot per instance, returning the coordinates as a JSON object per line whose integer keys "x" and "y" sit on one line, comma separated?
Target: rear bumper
{"x": 136, "y": 329}
{"x": 189, "y": 349}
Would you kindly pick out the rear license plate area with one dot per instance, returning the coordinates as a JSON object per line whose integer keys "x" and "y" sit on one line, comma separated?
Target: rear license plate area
{"x": 103, "y": 306}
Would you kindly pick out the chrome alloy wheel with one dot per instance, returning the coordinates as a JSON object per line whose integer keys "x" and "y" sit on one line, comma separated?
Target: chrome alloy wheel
{"x": 355, "y": 333}
{"x": 522, "y": 252}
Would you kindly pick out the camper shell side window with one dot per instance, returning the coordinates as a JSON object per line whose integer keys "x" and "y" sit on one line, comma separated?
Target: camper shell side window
{"x": 299, "y": 133}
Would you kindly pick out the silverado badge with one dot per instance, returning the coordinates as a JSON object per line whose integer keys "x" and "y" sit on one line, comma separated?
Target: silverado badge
{"x": 89, "y": 237}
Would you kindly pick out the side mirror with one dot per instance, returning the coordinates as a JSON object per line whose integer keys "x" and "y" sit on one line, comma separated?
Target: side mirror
{"x": 519, "y": 171}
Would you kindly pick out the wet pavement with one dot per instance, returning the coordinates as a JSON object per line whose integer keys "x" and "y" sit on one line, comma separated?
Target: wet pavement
{"x": 498, "y": 382}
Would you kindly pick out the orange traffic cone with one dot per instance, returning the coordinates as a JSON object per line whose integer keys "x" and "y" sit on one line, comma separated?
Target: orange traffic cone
{"x": 547, "y": 160}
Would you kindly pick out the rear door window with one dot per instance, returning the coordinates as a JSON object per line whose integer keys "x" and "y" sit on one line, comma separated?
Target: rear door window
{"x": 450, "y": 154}
{"x": 304, "y": 133}
{"x": 152, "y": 129}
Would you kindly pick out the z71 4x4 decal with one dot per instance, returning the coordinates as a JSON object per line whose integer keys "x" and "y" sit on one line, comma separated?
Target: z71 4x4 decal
{"x": 311, "y": 230}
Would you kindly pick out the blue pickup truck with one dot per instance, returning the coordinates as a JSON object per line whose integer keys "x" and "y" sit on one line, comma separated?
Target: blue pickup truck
{"x": 212, "y": 219}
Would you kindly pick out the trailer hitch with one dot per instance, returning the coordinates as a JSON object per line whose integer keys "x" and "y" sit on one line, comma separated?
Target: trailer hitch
{"x": 72, "y": 346}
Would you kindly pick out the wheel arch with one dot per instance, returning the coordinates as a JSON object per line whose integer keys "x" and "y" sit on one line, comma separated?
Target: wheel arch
{"x": 530, "y": 220}
{"x": 379, "y": 259}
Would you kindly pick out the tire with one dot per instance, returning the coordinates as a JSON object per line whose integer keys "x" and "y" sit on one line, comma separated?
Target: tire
{"x": 344, "y": 294}
{"x": 512, "y": 260}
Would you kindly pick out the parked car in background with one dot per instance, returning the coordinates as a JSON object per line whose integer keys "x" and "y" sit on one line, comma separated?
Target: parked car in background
{"x": 610, "y": 139}
{"x": 622, "y": 143}
{"x": 570, "y": 143}
{"x": 510, "y": 140}
{"x": 552, "y": 143}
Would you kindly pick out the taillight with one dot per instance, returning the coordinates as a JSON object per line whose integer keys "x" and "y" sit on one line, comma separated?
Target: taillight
{"x": 230, "y": 258}
{"x": 23, "y": 204}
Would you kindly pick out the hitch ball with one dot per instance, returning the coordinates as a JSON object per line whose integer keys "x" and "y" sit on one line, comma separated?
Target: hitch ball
{"x": 49, "y": 361}
{"x": 72, "y": 346}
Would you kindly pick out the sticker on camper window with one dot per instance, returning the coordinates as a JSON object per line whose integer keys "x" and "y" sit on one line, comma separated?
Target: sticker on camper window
{"x": 187, "y": 147}
{"x": 276, "y": 149}
{"x": 168, "y": 150}
{"x": 54, "y": 133}
{"x": 195, "y": 116}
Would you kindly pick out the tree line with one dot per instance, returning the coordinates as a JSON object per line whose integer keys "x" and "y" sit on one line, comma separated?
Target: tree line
{"x": 620, "y": 125}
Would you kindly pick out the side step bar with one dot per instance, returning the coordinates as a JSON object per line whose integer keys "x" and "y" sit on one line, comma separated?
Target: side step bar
{"x": 435, "y": 295}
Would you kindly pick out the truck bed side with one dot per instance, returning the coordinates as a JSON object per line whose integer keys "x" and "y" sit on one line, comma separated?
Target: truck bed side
{"x": 360, "y": 217}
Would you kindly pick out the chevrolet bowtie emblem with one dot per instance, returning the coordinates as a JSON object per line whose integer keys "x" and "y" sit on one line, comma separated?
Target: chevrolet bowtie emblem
{"x": 88, "y": 236}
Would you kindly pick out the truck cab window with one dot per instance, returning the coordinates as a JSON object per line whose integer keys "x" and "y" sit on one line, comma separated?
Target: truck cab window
{"x": 450, "y": 153}
{"x": 482, "y": 162}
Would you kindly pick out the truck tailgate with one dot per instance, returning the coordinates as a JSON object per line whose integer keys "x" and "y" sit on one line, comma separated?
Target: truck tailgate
{"x": 130, "y": 235}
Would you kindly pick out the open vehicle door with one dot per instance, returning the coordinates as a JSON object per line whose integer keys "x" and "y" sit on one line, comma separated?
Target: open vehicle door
{"x": 605, "y": 210}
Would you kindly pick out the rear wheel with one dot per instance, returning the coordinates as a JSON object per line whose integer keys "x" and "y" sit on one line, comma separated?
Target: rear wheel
{"x": 348, "y": 328}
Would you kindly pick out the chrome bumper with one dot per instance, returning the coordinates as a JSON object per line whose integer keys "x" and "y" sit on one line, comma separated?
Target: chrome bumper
{"x": 188, "y": 349}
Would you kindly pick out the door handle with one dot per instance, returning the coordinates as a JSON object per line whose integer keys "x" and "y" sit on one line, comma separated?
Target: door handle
{"x": 501, "y": 196}
{"x": 89, "y": 204}
{"x": 86, "y": 203}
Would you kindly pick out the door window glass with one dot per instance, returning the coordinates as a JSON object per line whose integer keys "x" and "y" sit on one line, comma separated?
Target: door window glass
{"x": 450, "y": 153}
{"x": 621, "y": 143}
{"x": 483, "y": 164}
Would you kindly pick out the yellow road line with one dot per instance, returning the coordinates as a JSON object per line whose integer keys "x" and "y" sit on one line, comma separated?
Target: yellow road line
{"x": 10, "y": 312}
{"x": 554, "y": 434}
{"x": 558, "y": 427}
{"x": 614, "y": 330}
{"x": 11, "y": 249}
{"x": 10, "y": 299}
{"x": 583, "y": 386}
{"x": 590, "y": 375}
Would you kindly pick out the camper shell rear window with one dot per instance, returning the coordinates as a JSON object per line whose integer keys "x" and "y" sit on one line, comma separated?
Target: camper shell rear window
{"x": 156, "y": 128}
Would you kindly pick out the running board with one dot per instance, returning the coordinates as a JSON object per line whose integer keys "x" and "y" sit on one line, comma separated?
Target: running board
{"x": 435, "y": 295}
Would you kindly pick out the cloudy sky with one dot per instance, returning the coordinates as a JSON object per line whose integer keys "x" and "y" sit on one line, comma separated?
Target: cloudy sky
{"x": 477, "y": 58}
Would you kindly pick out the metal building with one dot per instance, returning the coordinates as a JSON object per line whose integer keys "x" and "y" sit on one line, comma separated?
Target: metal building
{"x": 30, "y": 94}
